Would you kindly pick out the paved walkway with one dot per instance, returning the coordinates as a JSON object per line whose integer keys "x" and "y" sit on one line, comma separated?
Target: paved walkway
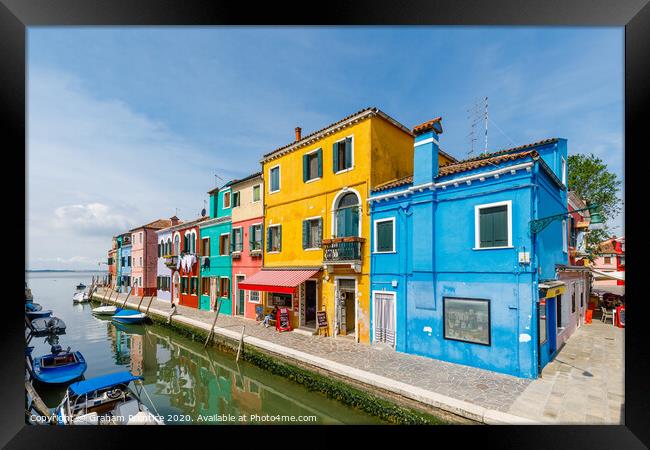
{"x": 584, "y": 384}
{"x": 475, "y": 392}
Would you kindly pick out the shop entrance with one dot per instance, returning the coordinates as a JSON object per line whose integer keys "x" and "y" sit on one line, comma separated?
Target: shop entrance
{"x": 310, "y": 303}
{"x": 346, "y": 306}
{"x": 177, "y": 288}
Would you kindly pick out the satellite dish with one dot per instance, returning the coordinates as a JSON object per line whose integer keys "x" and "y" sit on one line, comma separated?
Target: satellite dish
{"x": 203, "y": 212}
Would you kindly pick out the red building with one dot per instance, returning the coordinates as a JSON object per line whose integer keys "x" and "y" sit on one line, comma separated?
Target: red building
{"x": 112, "y": 264}
{"x": 184, "y": 263}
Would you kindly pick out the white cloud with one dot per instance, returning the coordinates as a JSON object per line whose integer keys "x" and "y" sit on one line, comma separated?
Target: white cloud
{"x": 91, "y": 218}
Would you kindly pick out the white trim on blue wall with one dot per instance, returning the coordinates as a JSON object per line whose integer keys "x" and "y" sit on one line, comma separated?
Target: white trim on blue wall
{"x": 477, "y": 228}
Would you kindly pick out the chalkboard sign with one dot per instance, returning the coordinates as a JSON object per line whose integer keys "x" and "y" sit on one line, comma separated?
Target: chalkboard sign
{"x": 321, "y": 319}
{"x": 283, "y": 323}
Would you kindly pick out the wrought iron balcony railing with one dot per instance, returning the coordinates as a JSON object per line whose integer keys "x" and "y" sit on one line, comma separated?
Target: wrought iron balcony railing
{"x": 346, "y": 249}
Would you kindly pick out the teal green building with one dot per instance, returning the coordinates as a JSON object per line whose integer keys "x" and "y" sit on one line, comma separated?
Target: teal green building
{"x": 215, "y": 259}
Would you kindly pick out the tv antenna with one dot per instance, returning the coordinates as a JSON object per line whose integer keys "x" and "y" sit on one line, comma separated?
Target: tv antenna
{"x": 216, "y": 183}
{"x": 476, "y": 114}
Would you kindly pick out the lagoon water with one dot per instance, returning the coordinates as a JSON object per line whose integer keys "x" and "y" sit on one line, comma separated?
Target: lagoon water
{"x": 186, "y": 383}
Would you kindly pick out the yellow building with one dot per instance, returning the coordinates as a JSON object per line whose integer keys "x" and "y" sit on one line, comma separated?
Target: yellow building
{"x": 316, "y": 218}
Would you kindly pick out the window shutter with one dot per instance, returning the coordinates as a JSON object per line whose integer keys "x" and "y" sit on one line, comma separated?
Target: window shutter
{"x": 319, "y": 236}
{"x": 348, "y": 153}
{"x": 232, "y": 241}
{"x": 305, "y": 234}
{"x": 268, "y": 239}
{"x": 501, "y": 227}
{"x": 335, "y": 158}
{"x": 251, "y": 237}
{"x": 320, "y": 162}
{"x": 486, "y": 229}
{"x": 305, "y": 167}
{"x": 280, "y": 238}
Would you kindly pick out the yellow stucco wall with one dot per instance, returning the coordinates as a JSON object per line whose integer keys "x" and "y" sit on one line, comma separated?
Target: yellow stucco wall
{"x": 381, "y": 151}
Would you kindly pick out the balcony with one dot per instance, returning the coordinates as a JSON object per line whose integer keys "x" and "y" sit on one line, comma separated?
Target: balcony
{"x": 343, "y": 251}
{"x": 171, "y": 261}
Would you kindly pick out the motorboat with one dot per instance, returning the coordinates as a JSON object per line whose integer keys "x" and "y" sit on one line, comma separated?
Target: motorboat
{"x": 129, "y": 316}
{"x": 81, "y": 286}
{"x": 106, "y": 400}
{"x": 47, "y": 325}
{"x": 34, "y": 311}
{"x": 80, "y": 297}
{"x": 59, "y": 367}
{"x": 107, "y": 310}
{"x": 33, "y": 307}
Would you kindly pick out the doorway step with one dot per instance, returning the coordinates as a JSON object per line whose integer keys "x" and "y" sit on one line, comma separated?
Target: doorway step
{"x": 305, "y": 331}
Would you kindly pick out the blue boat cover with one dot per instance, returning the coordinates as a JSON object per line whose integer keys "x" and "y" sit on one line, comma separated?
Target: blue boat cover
{"x": 93, "y": 384}
{"x": 126, "y": 312}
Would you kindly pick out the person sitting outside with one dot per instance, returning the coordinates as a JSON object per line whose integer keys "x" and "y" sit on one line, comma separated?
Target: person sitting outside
{"x": 270, "y": 316}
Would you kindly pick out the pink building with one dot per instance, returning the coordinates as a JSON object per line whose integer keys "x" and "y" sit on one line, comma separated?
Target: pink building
{"x": 246, "y": 241}
{"x": 144, "y": 256}
{"x": 609, "y": 266}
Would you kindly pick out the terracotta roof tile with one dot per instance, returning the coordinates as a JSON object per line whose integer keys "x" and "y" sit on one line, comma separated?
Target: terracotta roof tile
{"x": 156, "y": 224}
{"x": 471, "y": 164}
{"x": 393, "y": 184}
{"x": 433, "y": 124}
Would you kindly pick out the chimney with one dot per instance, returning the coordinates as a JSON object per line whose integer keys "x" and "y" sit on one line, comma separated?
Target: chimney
{"x": 425, "y": 152}
{"x": 298, "y": 130}
{"x": 174, "y": 220}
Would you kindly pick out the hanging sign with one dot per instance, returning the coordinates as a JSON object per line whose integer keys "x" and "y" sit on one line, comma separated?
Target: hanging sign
{"x": 282, "y": 322}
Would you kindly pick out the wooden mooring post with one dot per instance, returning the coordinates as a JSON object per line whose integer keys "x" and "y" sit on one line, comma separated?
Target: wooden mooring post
{"x": 139, "y": 303}
{"x": 213, "y": 323}
{"x": 127, "y": 297}
{"x": 150, "y": 300}
{"x": 241, "y": 342}
{"x": 37, "y": 402}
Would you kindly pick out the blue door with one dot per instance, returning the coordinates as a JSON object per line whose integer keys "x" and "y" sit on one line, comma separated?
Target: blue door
{"x": 546, "y": 330}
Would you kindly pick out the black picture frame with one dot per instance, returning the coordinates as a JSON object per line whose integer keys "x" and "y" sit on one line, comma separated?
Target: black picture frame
{"x": 634, "y": 15}
{"x": 489, "y": 319}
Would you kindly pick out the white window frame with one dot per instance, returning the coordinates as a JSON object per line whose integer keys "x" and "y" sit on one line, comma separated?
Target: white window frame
{"x": 279, "y": 179}
{"x": 238, "y": 198}
{"x": 309, "y": 153}
{"x": 565, "y": 248}
{"x": 272, "y": 251}
{"x": 563, "y": 165}
{"x": 253, "y": 193}
{"x": 241, "y": 230}
{"x": 259, "y": 297}
{"x": 351, "y": 155}
{"x": 372, "y": 331}
{"x": 261, "y": 225}
{"x": 387, "y": 219}
{"x": 313, "y": 248}
{"x": 477, "y": 224}
{"x": 335, "y": 201}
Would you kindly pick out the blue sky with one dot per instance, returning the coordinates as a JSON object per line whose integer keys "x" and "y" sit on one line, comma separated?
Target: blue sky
{"x": 127, "y": 124}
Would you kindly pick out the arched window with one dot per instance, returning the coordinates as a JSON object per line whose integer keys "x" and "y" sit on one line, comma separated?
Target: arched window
{"x": 177, "y": 244}
{"x": 346, "y": 215}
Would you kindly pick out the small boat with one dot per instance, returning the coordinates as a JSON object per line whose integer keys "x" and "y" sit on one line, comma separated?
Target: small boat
{"x": 81, "y": 286}
{"x": 59, "y": 367}
{"x": 107, "y": 310}
{"x": 105, "y": 400}
{"x": 129, "y": 316}
{"x": 80, "y": 297}
{"x": 31, "y": 315}
{"x": 33, "y": 307}
{"x": 47, "y": 325}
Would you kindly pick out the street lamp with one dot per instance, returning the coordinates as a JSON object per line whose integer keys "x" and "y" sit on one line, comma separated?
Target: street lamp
{"x": 595, "y": 222}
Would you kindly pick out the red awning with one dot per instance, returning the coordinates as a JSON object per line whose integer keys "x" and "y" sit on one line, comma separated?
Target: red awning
{"x": 282, "y": 281}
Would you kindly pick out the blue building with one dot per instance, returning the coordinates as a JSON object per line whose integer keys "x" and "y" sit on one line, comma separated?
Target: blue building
{"x": 456, "y": 273}
{"x": 124, "y": 263}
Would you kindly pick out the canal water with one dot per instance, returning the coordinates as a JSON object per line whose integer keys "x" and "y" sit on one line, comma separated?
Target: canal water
{"x": 187, "y": 384}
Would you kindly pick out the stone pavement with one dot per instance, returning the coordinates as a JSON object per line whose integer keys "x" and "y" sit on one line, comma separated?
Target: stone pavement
{"x": 584, "y": 384}
{"x": 463, "y": 388}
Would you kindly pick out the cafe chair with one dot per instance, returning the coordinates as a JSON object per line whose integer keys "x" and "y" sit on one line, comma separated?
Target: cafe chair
{"x": 606, "y": 315}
